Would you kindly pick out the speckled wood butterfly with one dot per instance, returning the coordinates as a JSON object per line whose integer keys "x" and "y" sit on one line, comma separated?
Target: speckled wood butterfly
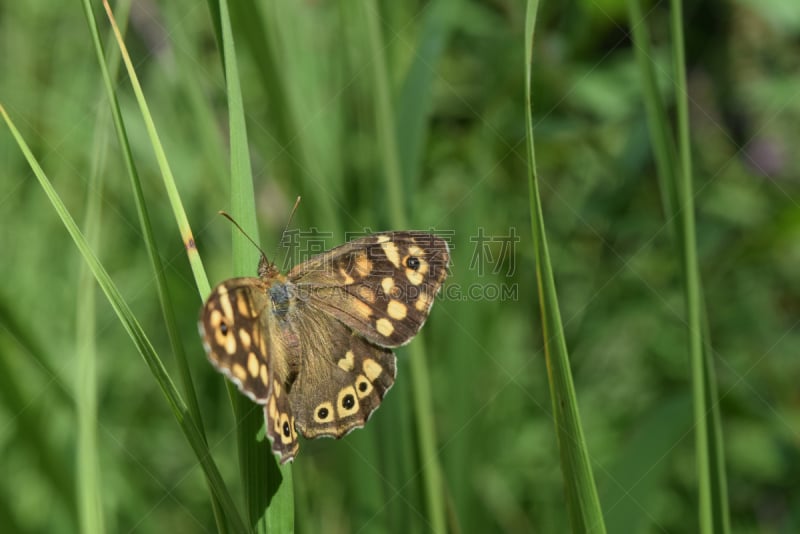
{"x": 314, "y": 346}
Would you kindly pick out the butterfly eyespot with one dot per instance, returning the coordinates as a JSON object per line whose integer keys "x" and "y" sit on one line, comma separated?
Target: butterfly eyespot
{"x": 322, "y": 413}
{"x": 223, "y": 328}
{"x": 413, "y": 262}
{"x": 362, "y": 386}
{"x": 348, "y": 402}
{"x": 286, "y": 430}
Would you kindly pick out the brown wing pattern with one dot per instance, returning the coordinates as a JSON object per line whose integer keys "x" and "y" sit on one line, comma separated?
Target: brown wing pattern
{"x": 381, "y": 286}
{"x": 342, "y": 378}
{"x": 245, "y": 342}
{"x": 235, "y": 336}
{"x": 314, "y": 348}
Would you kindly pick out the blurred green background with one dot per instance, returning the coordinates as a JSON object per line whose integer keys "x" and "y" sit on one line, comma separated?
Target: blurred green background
{"x": 456, "y": 75}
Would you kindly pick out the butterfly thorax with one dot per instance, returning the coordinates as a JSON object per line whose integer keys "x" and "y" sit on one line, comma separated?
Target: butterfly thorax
{"x": 278, "y": 289}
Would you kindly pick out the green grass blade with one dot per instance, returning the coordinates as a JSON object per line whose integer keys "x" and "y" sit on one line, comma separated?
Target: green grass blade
{"x": 708, "y": 439}
{"x": 720, "y": 511}
{"x": 677, "y": 194}
{"x": 657, "y": 119}
{"x": 137, "y": 335}
{"x": 166, "y": 172}
{"x": 312, "y": 149}
{"x": 387, "y": 131}
{"x": 582, "y": 500}
{"x": 90, "y": 501}
{"x": 420, "y": 375}
{"x": 268, "y": 488}
{"x": 165, "y": 299}
{"x": 416, "y": 94}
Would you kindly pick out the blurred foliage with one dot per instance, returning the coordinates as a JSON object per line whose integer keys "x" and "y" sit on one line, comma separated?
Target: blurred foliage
{"x": 616, "y": 269}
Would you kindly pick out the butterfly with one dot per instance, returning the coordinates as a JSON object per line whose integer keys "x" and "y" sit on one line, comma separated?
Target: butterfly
{"x": 314, "y": 346}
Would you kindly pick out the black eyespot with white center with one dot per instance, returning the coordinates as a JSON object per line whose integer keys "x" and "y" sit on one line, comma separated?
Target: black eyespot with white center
{"x": 412, "y": 262}
{"x": 223, "y": 327}
{"x": 348, "y": 401}
{"x": 286, "y": 431}
{"x": 322, "y": 413}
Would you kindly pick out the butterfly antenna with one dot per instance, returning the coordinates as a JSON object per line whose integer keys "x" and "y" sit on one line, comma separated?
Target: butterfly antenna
{"x": 288, "y": 221}
{"x": 236, "y": 224}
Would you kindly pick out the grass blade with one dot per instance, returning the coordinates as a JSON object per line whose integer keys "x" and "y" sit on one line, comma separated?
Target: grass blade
{"x": 137, "y": 335}
{"x": 582, "y": 500}
{"x": 165, "y": 299}
{"x": 420, "y": 375}
{"x": 268, "y": 488}
{"x": 678, "y": 199}
{"x": 416, "y": 95}
{"x": 712, "y": 503}
{"x": 166, "y": 172}
{"x": 90, "y": 502}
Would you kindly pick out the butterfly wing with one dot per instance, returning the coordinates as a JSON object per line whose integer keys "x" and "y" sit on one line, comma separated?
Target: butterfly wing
{"x": 245, "y": 342}
{"x": 342, "y": 378}
{"x": 381, "y": 286}
{"x": 313, "y": 348}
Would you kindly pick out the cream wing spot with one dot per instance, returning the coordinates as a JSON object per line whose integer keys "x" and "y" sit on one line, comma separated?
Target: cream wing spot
{"x": 366, "y": 294}
{"x": 372, "y": 369}
{"x": 390, "y": 249}
{"x": 363, "y": 386}
{"x": 345, "y": 278}
{"x": 347, "y": 402}
{"x": 347, "y": 363}
{"x": 384, "y": 327}
{"x": 230, "y": 343}
{"x": 264, "y": 375}
{"x": 362, "y": 308}
{"x": 362, "y": 266}
{"x": 396, "y": 310}
{"x": 219, "y": 326}
{"x": 323, "y": 413}
{"x": 387, "y": 284}
{"x": 244, "y": 309}
{"x": 414, "y": 250}
{"x": 415, "y": 277}
{"x": 285, "y": 429}
{"x": 244, "y": 336}
{"x": 423, "y": 301}
{"x": 225, "y": 303}
{"x": 253, "y": 365}
{"x": 239, "y": 372}
{"x": 262, "y": 345}
{"x": 383, "y": 238}
{"x": 273, "y": 412}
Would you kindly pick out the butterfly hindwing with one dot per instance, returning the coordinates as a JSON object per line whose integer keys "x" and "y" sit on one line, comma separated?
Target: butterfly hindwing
{"x": 381, "y": 286}
{"x": 342, "y": 379}
{"x": 280, "y": 423}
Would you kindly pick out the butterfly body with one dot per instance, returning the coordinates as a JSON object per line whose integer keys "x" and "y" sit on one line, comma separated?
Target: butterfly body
{"x": 314, "y": 346}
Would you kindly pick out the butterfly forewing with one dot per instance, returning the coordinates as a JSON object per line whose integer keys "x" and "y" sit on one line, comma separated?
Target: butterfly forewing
{"x": 381, "y": 286}
{"x": 236, "y": 335}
